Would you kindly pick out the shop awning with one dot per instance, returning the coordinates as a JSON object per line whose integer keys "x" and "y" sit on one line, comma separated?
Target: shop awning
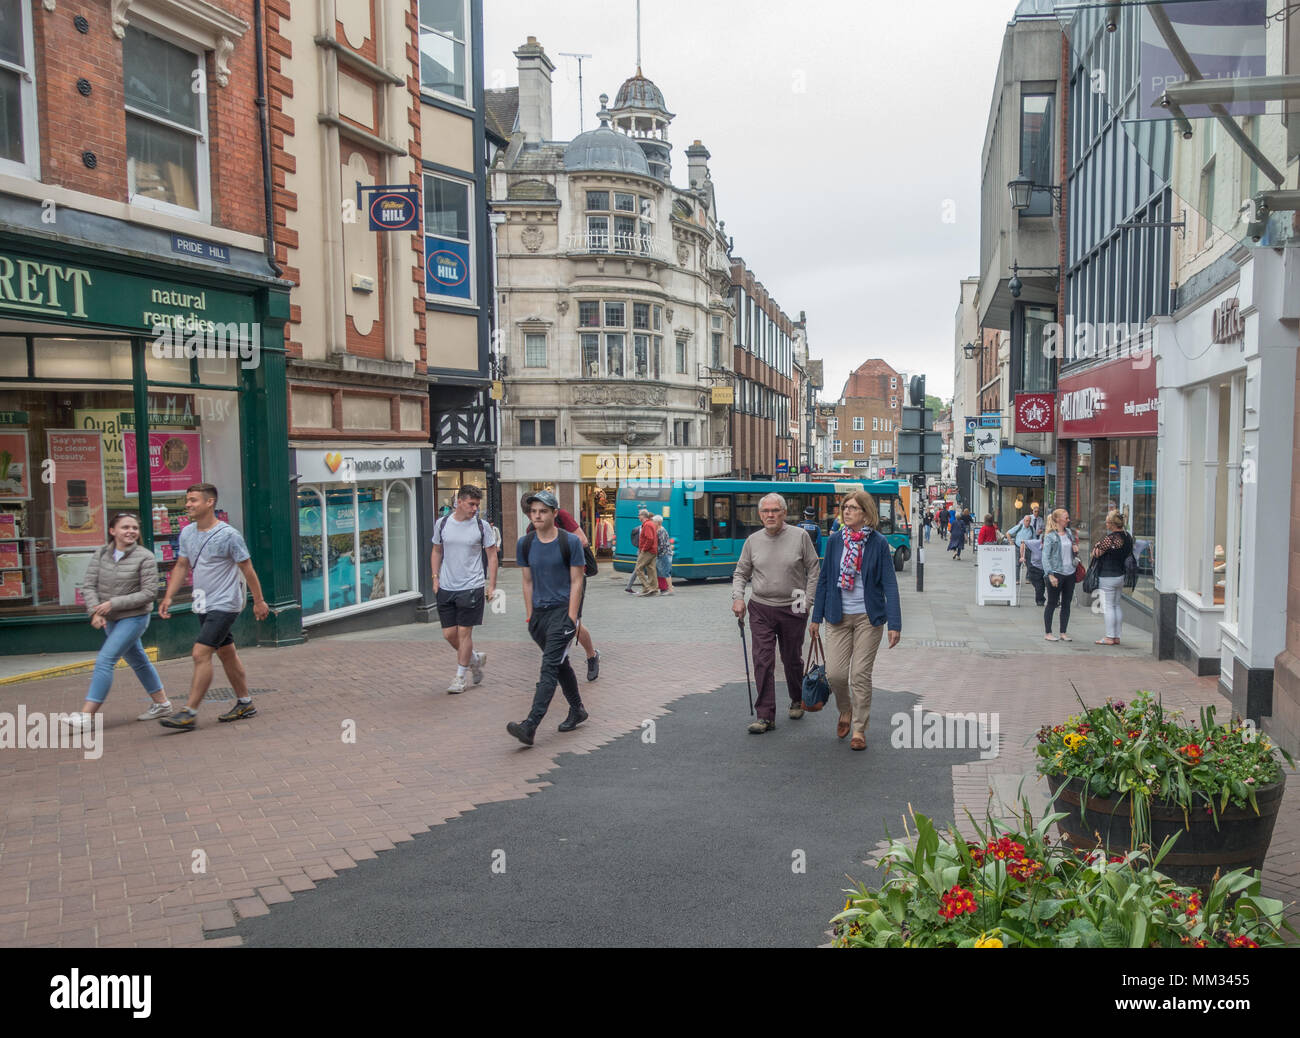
{"x": 1014, "y": 468}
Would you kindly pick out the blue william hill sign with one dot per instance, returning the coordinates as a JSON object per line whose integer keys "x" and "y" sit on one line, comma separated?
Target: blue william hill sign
{"x": 446, "y": 268}
{"x": 395, "y": 208}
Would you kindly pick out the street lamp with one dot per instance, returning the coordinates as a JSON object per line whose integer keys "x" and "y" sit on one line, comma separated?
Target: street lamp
{"x": 971, "y": 349}
{"x": 1022, "y": 189}
{"x": 1015, "y": 286}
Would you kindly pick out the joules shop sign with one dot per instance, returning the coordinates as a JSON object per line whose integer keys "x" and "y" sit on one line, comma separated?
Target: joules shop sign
{"x": 36, "y": 289}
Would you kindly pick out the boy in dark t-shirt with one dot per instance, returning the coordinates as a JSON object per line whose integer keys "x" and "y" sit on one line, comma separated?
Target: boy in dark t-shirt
{"x": 553, "y": 563}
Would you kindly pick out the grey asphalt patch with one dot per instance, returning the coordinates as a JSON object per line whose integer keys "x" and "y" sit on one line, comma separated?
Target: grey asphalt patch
{"x": 689, "y": 841}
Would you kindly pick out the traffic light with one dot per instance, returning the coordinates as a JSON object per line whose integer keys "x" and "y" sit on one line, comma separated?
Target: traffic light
{"x": 916, "y": 391}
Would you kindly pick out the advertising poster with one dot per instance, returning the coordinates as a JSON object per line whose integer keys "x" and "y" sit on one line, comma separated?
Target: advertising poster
{"x": 15, "y": 479}
{"x": 175, "y": 462}
{"x": 9, "y": 555}
{"x": 8, "y": 525}
{"x": 1126, "y": 473}
{"x": 107, "y": 420}
{"x": 11, "y": 584}
{"x": 77, "y": 493}
{"x": 996, "y": 579}
{"x": 72, "y": 574}
{"x": 446, "y": 268}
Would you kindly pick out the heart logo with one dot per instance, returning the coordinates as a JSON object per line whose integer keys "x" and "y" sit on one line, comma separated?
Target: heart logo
{"x": 334, "y": 460}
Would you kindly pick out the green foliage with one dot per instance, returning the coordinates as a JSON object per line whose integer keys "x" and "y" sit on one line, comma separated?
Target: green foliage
{"x": 1015, "y": 887}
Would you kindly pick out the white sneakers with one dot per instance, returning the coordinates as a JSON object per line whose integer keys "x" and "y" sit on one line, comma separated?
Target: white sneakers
{"x": 457, "y": 685}
{"x": 155, "y": 711}
{"x": 79, "y": 722}
{"x": 476, "y": 666}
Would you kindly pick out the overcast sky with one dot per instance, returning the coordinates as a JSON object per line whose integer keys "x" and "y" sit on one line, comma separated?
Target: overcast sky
{"x": 838, "y": 132}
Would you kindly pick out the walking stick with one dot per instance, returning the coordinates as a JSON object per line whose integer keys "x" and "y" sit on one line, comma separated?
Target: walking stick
{"x": 744, "y": 648}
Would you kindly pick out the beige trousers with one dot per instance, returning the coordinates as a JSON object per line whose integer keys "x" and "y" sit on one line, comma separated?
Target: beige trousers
{"x": 645, "y": 571}
{"x": 851, "y": 648}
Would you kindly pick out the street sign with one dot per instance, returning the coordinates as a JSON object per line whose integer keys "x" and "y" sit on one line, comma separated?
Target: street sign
{"x": 920, "y": 453}
{"x": 391, "y": 207}
{"x": 991, "y": 420}
{"x": 987, "y": 443}
{"x": 783, "y": 465}
{"x": 972, "y": 424}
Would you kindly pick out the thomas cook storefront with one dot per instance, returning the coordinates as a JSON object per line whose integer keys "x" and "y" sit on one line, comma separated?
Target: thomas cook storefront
{"x": 122, "y": 382}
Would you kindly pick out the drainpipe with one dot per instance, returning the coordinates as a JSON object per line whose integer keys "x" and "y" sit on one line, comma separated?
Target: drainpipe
{"x": 265, "y": 134}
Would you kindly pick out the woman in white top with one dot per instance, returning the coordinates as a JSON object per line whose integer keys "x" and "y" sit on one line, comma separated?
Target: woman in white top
{"x": 1059, "y": 564}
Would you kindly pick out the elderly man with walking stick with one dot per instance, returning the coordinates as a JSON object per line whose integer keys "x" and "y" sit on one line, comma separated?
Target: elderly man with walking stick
{"x": 781, "y": 565}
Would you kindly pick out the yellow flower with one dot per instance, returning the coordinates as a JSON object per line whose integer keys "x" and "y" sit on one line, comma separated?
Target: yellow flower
{"x": 1073, "y": 741}
{"x": 988, "y": 942}
{"x": 848, "y": 904}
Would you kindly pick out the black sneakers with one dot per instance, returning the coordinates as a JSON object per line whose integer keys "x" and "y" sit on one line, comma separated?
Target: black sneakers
{"x": 593, "y": 667}
{"x": 574, "y": 719}
{"x": 523, "y": 731}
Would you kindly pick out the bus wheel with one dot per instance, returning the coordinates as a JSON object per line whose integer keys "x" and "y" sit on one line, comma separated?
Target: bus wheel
{"x": 901, "y": 555}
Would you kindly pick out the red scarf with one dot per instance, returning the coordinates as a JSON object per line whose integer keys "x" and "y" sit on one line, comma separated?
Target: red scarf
{"x": 851, "y": 564}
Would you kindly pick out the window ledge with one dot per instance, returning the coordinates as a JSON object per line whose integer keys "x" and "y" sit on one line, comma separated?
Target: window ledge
{"x": 215, "y": 29}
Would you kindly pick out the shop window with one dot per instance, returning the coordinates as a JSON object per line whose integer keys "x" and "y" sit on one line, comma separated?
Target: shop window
{"x": 614, "y": 356}
{"x": 311, "y": 555}
{"x": 449, "y": 238}
{"x": 445, "y": 48}
{"x": 590, "y": 356}
{"x": 19, "y": 154}
{"x": 341, "y": 544}
{"x": 1194, "y": 503}
{"x": 88, "y": 359}
{"x": 166, "y": 124}
{"x": 641, "y": 356}
{"x": 1222, "y": 494}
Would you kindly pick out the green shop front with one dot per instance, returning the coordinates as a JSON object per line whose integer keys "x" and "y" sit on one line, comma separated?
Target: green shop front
{"x": 122, "y": 382}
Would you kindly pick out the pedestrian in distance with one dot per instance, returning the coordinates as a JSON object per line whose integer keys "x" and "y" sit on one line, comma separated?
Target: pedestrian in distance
{"x": 464, "y": 564}
{"x": 565, "y": 521}
{"x": 857, "y": 598}
{"x": 956, "y": 537}
{"x": 217, "y": 556}
{"x": 1059, "y": 561}
{"x": 552, "y": 562}
{"x": 814, "y": 531}
{"x": 780, "y": 565}
{"x": 836, "y": 521}
{"x": 928, "y": 522}
{"x": 663, "y": 556}
{"x": 648, "y": 554}
{"x": 1113, "y": 550}
{"x": 1020, "y": 533}
{"x": 119, "y": 589}
{"x": 1038, "y": 523}
{"x": 942, "y": 518}
{"x": 989, "y": 531}
{"x": 1031, "y": 557}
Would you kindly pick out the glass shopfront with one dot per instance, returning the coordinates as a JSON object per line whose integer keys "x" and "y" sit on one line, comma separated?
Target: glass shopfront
{"x": 1120, "y": 474}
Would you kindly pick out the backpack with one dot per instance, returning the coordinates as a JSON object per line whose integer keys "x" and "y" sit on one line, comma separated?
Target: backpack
{"x": 482, "y": 543}
{"x": 589, "y": 565}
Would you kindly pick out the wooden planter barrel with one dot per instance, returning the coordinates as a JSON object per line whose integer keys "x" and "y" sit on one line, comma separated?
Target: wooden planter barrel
{"x": 1240, "y": 840}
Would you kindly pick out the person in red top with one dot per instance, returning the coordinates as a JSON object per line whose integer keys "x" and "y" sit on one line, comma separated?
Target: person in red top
{"x": 565, "y": 521}
{"x": 989, "y": 531}
{"x": 648, "y": 548}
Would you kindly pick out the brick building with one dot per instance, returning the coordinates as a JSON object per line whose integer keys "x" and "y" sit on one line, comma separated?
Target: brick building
{"x": 141, "y": 315}
{"x": 765, "y": 414}
{"x": 868, "y": 415}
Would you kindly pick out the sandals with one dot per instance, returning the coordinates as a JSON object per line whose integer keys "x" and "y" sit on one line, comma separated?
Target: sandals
{"x": 1051, "y": 638}
{"x": 1105, "y": 641}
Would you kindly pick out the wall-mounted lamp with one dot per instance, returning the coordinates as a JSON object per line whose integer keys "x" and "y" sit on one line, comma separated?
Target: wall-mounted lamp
{"x": 1015, "y": 286}
{"x": 1022, "y": 191}
{"x": 971, "y": 350}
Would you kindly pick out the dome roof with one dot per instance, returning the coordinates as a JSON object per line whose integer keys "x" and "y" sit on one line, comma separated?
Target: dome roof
{"x": 605, "y": 149}
{"x": 639, "y": 92}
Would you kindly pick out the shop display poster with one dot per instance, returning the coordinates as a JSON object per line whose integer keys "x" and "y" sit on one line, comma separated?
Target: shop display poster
{"x": 9, "y": 556}
{"x": 108, "y": 421}
{"x": 8, "y": 526}
{"x": 995, "y": 580}
{"x": 15, "y": 477}
{"x": 11, "y": 584}
{"x": 175, "y": 462}
{"x": 77, "y": 493}
{"x": 72, "y": 575}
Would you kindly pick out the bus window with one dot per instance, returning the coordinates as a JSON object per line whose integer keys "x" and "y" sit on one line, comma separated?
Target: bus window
{"x": 747, "y": 519}
{"x": 795, "y": 504}
{"x": 885, "y": 506}
{"x": 702, "y": 519}
{"x": 721, "y": 504}
{"x": 823, "y": 505}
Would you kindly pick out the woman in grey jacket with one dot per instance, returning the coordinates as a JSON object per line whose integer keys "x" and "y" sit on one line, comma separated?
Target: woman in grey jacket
{"x": 1059, "y": 561}
{"x": 120, "y": 586}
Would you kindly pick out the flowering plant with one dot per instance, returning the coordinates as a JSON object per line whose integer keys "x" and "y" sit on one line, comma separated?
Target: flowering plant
{"x": 1014, "y": 887}
{"x": 1144, "y": 751}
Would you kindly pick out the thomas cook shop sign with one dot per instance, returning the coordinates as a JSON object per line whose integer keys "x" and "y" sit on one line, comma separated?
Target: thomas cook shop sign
{"x": 42, "y": 290}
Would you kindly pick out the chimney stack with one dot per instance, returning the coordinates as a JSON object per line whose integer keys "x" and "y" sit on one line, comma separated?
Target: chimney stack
{"x": 535, "y": 70}
{"x": 697, "y": 158}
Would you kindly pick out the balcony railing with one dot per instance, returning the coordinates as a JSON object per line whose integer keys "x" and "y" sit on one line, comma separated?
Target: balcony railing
{"x": 634, "y": 245}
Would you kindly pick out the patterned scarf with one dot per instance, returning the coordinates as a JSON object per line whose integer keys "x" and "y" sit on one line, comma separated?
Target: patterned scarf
{"x": 852, "y": 561}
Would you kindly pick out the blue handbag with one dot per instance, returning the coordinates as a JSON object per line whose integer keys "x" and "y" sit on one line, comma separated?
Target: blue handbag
{"x": 816, "y": 686}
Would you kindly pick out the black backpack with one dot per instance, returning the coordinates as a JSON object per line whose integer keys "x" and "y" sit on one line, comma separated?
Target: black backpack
{"x": 589, "y": 566}
{"x": 482, "y": 543}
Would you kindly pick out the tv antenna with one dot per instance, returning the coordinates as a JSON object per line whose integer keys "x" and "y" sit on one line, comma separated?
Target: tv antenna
{"x": 581, "y": 107}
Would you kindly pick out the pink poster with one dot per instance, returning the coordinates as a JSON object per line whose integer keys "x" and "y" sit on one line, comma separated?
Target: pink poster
{"x": 9, "y": 555}
{"x": 175, "y": 462}
{"x": 77, "y": 493}
{"x": 15, "y": 480}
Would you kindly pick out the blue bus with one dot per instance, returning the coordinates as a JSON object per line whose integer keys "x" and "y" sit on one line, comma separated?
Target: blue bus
{"x": 710, "y": 518}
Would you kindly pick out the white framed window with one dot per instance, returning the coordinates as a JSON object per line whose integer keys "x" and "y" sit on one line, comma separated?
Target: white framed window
{"x": 166, "y": 124}
{"x": 534, "y": 350}
{"x": 875, "y": 446}
{"x": 893, "y": 381}
{"x": 859, "y": 424}
{"x": 858, "y": 447}
{"x": 19, "y": 151}
{"x": 875, "y": 424}
{"x": 445, "y": 49}
{"x": 832, "y": 425}
{"x": 837, "y": 446}
{"x": 449, "y": 246}
{"x": 893, "y": 403}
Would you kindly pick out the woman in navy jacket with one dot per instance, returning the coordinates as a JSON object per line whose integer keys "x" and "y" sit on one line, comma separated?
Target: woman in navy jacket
{"x": 857, "y": 596}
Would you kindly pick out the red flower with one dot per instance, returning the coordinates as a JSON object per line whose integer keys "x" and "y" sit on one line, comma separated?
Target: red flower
{"x": 1193, "y": 752}
{"x": 956, "y": 902}
{"x": 976, "y": 853}
{"x": 1241, "y": 942}
{"x": 1023, "y": 868}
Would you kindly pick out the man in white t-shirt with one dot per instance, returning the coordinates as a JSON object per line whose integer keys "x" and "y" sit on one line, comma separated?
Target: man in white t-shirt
{"x": 464, "y": 563}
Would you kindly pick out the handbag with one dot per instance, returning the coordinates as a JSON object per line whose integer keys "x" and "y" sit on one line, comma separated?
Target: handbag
{"x": 1079, "y": 572}
{"x": 1092, "y": 579}
{"x": 816, "y": 686}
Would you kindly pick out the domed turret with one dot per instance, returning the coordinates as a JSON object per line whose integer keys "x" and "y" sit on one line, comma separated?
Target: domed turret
{"x": 605, "y": 149}
{"x": 640, "y": 112}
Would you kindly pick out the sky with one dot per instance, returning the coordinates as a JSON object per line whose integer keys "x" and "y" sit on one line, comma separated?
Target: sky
{"x": 845, "y": 141}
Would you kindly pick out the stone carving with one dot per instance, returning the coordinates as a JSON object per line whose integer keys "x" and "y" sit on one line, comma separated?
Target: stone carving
{"x": 532, "y": 238}
{"x": 683, "y": 254}
{"x": 562, "y": 306}
{"x": 221, "y": 59}
{"x": 610, "y": 394}
{"x": 119, "y": 17}
{"x": 668, "y": 313}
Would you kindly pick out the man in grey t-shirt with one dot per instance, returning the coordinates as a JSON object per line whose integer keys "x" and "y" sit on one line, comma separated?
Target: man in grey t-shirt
{"x": 216, "y": 554}
{"x": 464, "y": 564}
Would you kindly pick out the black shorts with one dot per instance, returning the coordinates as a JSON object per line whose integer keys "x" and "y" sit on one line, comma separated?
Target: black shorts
{"x": 214, "y": 629}
{"x": 461, "y": 608}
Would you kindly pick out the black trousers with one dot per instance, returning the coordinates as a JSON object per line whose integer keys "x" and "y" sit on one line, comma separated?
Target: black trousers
{"x": 1063, "y": 592}
{"x": 552, "y": 630}
{"x": 1036, "y": 578}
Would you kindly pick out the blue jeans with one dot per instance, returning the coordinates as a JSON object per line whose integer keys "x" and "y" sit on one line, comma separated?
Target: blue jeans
{"x": 122, "y": 641}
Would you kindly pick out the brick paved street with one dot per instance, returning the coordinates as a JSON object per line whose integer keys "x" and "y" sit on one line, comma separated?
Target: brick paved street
{"x": 103, "y": 852}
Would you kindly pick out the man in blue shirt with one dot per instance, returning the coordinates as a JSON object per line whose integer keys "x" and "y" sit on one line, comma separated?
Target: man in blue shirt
{"x": 814, "y": 531}
{"x": 553, "y": 564}
{"x": 1020, "y": 533}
